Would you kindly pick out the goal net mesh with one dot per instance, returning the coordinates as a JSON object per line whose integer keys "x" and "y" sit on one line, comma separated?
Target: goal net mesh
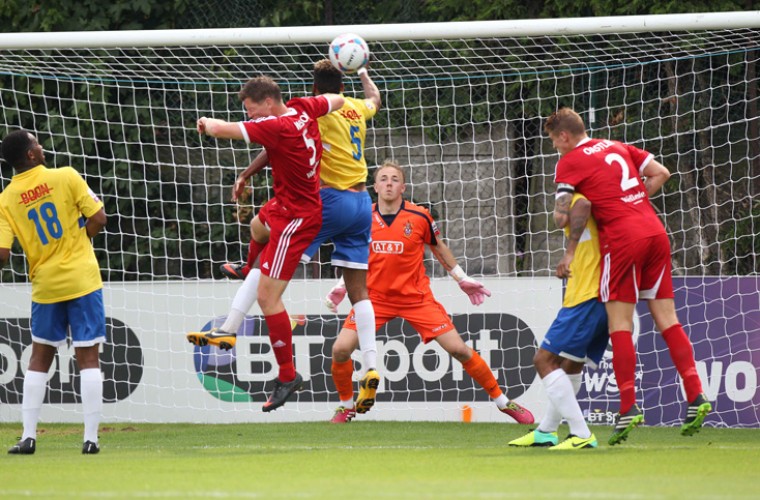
{"x": 465, "y": 117}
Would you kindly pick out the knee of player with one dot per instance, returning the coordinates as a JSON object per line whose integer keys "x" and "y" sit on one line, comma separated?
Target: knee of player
{"x": 341, "y": 354}
{"x": 461, "y": 353}
{"x": 545, "y": 361}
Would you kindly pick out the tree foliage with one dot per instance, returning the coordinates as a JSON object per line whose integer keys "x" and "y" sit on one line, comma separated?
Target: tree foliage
{"x": 123, "y": 182}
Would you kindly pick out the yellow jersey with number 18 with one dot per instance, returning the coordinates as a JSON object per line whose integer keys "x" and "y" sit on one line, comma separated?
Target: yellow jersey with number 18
{"x": 343, "y": 133}
{"x": 45, "y": 209}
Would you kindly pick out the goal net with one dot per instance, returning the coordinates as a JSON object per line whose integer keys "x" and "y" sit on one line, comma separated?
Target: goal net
{"x": 463, "y": 107}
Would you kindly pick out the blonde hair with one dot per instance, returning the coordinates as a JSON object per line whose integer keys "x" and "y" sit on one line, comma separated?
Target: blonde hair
{"x": 565, "y": 120}
{"x": 390, "y": 164}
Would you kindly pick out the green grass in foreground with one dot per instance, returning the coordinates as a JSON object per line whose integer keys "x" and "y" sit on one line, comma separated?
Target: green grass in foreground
{"x": 375, "y": 460}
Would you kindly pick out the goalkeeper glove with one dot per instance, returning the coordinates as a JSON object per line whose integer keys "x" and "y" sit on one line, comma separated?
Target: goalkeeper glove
{"x": 474, "y": 289}
{"x": 336, "y": 296}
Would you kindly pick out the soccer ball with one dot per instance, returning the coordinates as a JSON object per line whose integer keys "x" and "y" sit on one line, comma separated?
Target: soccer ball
{"x": 349, "y": 52}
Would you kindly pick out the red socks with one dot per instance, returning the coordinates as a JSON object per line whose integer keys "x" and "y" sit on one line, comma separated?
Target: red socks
{"x": 281, "y": 338}
{"x": 254, "y": 249}
{"x": 624, "y": 365}
{"x": 682, "y": 355}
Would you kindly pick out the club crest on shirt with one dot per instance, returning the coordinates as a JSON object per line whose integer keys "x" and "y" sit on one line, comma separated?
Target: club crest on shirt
{"x": 408, "y": 229}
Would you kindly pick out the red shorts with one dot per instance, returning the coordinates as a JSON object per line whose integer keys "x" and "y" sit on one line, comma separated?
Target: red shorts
{"x": 640, "y": 271}
{"x": 289, "y": 237}
{"x": 428, "y": 317}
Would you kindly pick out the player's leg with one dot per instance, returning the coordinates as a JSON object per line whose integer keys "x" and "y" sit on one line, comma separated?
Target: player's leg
{"x": 255, "y": 247}
{"x": 87, "y": 322}
{"x": 289, "y": 238}
{"x": 49, "y": 328}
{"x": 478, "y": 369}
{"x": 574, "y": 333}
{"x": 226, "y": 335}
{"x": 342, "y": 372}
{"x": 620, "y": 317}
{"x": 364, "y": 316}
{"x": 619, "y": 286}
{"x": 681, "y": 352}
{"x": 35, "y": 386}
{"x": 348, "y": 217}
{"x": 280, "y": 334}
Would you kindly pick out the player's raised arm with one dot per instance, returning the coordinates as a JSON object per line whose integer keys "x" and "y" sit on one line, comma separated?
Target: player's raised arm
{"x": 562, "y": 209}
{"x": 371, "y": 92}
{"x": 474, "y": 289}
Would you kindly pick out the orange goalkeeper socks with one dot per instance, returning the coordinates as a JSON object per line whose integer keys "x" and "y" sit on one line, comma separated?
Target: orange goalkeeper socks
{"x": 341, "y": 374}
{"x": 477, "y": 368}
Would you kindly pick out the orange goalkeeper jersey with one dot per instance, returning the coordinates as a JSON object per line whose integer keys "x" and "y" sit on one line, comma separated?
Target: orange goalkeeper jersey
{"x": 396, "y": 271}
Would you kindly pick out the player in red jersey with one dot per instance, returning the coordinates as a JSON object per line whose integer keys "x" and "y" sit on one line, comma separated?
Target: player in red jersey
{"x": 635, "y": 255}
{"x": 399, "y": 288}
{"x": 290, "y": 135}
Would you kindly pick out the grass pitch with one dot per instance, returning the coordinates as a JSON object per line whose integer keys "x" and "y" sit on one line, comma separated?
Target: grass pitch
{"x": 386, "y": 460}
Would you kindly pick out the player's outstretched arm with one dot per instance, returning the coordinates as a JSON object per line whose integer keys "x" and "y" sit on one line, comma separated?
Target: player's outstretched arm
{"x": 336, "y": 101}
{"x": 474, "y": 289}
{"x": 257, "y": 164}
{"x": 371, "y": 92}
{"x": 219, "y": 128}
{"x": 336, "y": 295}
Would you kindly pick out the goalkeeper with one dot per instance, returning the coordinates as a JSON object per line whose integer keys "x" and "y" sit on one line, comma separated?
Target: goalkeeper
{"x": 399, "y": 287}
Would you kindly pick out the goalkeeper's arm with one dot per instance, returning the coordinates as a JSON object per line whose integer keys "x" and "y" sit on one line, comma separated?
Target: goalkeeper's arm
{"x": 474, "y": 289}
{"x": 336, "y": 295}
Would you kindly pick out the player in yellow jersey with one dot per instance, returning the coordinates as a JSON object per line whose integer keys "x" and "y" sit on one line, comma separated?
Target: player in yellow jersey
{"x": 578, "y": 335}
{"x": 346, "y": 220}
{"x": 53, "y": 214}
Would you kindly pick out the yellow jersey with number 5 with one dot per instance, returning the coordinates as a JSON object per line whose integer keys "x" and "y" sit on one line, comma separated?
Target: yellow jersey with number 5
{"x": 343, "y": 133}
{"x": 45, "y": 209}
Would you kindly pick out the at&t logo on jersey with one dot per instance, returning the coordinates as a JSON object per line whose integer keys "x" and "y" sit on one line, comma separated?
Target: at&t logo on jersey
{"x": 391, "y": 247}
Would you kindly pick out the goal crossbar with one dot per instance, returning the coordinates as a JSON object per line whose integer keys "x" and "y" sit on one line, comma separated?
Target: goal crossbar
{"x": 383, "y": 32}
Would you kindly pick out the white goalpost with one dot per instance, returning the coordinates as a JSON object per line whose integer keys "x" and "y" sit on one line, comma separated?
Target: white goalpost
{"x": 463, "y": 109}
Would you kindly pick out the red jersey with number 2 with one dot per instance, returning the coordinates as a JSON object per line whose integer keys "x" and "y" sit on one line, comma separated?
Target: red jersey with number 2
{"x": 608, "y": 173}
{"x": 294, "y": 147}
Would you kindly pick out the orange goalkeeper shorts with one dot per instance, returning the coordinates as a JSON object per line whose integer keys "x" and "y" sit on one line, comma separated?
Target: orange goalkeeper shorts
{"x": 428, "y": 317}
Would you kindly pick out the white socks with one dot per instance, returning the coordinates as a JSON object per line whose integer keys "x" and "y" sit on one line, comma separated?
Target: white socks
{"x": 365, "y": 329}
{"x": 501, "y": 401}
{"x": 243, "y": 302}
{"x": 92, "y": 402}
{"x": 561, "y": 394}
{"x": 35, "y": 385}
